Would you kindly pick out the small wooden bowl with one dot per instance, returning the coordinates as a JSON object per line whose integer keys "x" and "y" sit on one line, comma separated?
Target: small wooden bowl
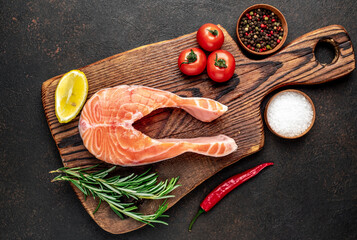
{"x": 283, "y": 22}
{"x": 303, "y": 133}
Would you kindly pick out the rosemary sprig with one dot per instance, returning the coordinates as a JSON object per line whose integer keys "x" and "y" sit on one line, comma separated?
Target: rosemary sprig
{"x": 114, "y": 190}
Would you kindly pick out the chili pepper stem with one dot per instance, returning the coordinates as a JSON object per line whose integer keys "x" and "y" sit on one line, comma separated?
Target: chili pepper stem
{"x": 200, "y": 211}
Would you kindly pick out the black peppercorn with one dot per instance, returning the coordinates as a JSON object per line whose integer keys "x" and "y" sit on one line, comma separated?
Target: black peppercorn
{"x": 260, "y": 30}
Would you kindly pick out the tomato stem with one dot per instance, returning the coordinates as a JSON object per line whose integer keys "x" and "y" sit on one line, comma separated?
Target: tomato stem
{"x": 220, "y": 62}
{"x": 214, "y": 32}
{"x": 191, "y": 57}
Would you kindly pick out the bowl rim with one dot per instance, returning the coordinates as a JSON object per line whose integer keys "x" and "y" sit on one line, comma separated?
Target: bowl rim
{"x": 283, "y": 21}
{"x": 277, "y": 94}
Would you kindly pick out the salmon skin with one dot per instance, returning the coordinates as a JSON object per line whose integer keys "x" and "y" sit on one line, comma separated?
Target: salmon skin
{"x": 105, "y": 126}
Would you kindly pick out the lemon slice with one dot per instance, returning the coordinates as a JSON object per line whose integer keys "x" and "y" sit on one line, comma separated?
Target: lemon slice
{"x": 71, "y": 94}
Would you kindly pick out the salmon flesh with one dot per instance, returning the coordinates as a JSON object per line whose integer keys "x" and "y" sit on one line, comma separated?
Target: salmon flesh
{"x": 106, "y": 126}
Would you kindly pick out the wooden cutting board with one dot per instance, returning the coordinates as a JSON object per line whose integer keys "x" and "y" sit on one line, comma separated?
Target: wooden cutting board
{"x": 155, "y": 65}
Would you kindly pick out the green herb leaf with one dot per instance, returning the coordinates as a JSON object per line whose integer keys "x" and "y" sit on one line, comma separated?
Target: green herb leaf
{"x": 99, "y": 203}
{"x": 220, "y": 62}
{"x": 112, "y": 190}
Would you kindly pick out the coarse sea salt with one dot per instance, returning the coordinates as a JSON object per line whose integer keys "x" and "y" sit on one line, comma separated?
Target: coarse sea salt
{"x": 289, "y": 114}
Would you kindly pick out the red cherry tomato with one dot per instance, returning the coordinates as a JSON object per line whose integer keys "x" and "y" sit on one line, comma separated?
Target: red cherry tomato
{"x": 192, "y": 61}
{"x": 210, "y": 37}
{"x": 220, "y": 65}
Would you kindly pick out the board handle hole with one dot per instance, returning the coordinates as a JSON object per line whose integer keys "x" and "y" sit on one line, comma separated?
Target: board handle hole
{"x": 326, "y": 51}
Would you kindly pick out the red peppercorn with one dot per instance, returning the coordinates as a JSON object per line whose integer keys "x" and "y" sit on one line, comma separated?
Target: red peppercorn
{"x": 262, "y": 30}
{"x": 271, "y": 32}
{"x": 255, "y": 14}
{"x": 273, "y": 20}
{"x": 264, "y": 16}
{"x": 260, "y": 50}
{"x": 247, "y": 15}
{"x": 246, "y": 34}
{"x": 278, "y": 41}
{"x": 253, "y": 48}
{"x": 250, "y": 17}
{"x": 279, "y": 28}
{"x": 262, "y": 25}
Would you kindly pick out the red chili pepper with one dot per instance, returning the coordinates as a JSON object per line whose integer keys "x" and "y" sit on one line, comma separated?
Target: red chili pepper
{"x": 225, "y": 187}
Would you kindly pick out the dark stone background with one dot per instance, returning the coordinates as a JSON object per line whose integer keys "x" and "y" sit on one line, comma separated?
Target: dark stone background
{"x": 310, "y": 193}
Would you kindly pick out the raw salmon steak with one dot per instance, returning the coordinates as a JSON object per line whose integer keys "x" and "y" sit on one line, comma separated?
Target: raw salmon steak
{"x": 105, "y": 126}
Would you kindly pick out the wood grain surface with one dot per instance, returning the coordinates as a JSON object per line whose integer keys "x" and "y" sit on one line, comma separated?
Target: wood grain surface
{"x": 155, "y": 66}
